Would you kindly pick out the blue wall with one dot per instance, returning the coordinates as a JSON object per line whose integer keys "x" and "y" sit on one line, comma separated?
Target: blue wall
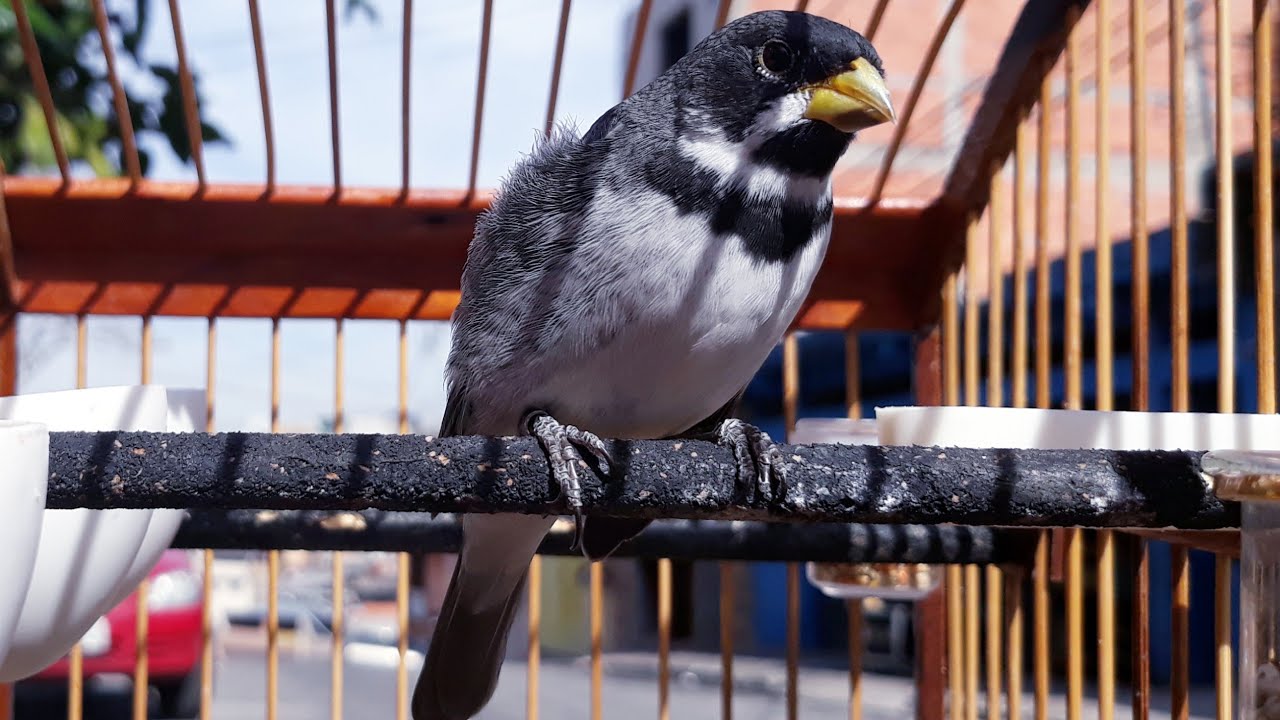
{"x": 886, "y": 361}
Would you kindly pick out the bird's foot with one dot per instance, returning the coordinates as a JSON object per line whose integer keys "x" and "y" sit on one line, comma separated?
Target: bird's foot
{"x": 561, "y": 443}
{"x": 759, "y": 459}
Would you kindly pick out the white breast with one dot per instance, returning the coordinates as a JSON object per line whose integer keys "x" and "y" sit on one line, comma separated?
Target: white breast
{"x": 697, "y": 318}
{"x": 669, "y": 322}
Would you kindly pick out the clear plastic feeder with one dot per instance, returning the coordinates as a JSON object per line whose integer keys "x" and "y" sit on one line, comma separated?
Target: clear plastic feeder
{"x": 1253, "y": 479}
{"x": 888, "y": 581}
{"x": 848, "y": 581}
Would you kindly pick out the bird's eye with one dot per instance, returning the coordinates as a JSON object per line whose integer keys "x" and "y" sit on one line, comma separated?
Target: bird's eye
{"x": 776, "y": 57}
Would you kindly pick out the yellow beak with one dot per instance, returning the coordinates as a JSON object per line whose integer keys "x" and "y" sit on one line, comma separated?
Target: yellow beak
{"x": 852, "y": 100}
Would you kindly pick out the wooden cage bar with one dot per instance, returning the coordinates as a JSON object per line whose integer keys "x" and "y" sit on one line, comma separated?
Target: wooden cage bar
{"x": 1014, "y": 204}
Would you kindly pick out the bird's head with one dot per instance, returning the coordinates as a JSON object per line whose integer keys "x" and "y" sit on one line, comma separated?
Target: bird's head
{"x": 788, "y": 77}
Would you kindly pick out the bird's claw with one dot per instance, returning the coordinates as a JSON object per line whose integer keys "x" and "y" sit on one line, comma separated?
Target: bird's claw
{"x": 759, "y": 459}
{"x": 561, "y": 442}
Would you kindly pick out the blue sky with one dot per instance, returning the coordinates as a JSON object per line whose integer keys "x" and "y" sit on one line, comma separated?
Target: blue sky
{"x": 445, "y": 43}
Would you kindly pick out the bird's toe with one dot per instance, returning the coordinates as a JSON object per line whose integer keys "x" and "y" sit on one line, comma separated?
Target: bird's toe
{"x": 560, "y": 443}
{"x": 592, "y": 443}
{"x": 732, "y": 434}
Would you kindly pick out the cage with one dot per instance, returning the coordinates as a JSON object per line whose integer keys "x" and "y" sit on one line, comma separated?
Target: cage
{"x": 1074, "y": 210}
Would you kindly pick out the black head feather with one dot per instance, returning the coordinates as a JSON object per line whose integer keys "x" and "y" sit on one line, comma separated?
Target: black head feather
{"x": 739, "y": 73}
{"x": 728, "y": 74}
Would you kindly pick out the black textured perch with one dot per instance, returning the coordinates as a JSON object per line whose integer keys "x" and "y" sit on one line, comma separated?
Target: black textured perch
{"x": 676, "y": 539}
{"x": 651, "y": 479}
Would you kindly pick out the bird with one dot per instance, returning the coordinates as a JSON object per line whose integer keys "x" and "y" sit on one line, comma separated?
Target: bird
{"x": 627, "y": 283}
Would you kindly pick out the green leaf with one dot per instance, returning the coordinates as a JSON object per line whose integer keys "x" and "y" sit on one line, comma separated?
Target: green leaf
{"x": 8, "y": 23}
{"x": 165, "y": 73}
{"x": 46, "y": 28}
{"x": 173, "y": 124}
{"x": 33, "y": 136}
{"x": 211, "y": 134}
{"x": 132, "y": 38}
{"x": 97, "y": 160}
{"x": 360, "y": 6}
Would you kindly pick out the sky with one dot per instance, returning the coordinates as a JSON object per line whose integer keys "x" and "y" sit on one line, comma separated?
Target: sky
{"x": 444, "y": 65}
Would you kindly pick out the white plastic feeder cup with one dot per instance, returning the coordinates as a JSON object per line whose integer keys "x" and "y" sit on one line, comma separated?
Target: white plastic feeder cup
{"x": 83, "y": 556}
{"x": 24, "y": 455}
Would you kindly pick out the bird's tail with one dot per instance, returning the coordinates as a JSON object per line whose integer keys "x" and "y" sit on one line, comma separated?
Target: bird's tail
{"x": 469, "y": 642}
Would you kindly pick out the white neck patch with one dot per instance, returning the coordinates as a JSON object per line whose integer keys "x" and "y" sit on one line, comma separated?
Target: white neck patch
{"x": 731, "y": 161}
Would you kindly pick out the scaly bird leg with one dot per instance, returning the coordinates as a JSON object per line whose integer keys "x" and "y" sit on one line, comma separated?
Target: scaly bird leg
{"x": 561, "y": 442}
{"x": 759, "y": 459}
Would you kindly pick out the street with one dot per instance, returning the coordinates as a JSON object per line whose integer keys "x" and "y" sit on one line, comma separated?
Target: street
{"x": 629, "y": 690}
{"x": 369, "y": 691}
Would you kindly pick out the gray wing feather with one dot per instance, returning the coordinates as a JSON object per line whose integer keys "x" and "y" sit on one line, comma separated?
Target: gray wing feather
{"x": 532, "y": 223}
{"x": 455, "y": 415}
{"x": 467, "y": 646}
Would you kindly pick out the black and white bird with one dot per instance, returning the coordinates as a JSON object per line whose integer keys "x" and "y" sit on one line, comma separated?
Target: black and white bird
{"x": 630, "y": 282}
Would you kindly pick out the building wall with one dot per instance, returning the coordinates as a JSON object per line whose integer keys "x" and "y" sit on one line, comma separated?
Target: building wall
{"x": 968, "y": 58}
{"x": 935, "y": 132}
{"x": 959, "y": 75}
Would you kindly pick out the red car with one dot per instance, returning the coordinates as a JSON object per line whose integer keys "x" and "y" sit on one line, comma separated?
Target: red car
{"x": 174, "y": 609}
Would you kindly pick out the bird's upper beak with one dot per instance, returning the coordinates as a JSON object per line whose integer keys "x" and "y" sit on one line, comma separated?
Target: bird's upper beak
{"x": 851, "y": 100}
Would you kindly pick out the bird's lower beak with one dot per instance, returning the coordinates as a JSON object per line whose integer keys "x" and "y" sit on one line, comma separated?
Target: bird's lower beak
{"x": 851, "y": 100}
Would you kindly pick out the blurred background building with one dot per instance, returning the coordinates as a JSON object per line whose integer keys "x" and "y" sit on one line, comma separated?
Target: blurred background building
{"x": 942, "y": 115}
